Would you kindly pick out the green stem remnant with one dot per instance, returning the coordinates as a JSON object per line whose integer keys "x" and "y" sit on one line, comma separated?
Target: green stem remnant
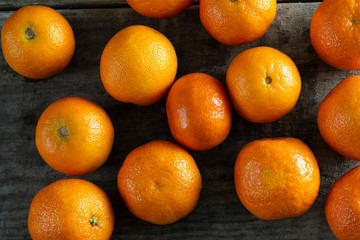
{"x": 29, "y": 33}
{"x": 354, "y": 21}
{"x": 93, "y": 220}
{"x": 236, "y": 0}
{"x": 63, "y": 132}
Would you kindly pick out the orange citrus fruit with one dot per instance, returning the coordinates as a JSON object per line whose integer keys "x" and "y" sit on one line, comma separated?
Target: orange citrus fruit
{"x": 198, "y": 111}
{"x": 37, "y": 42}
{"x": 235, "y": 22}
{"x": 74, "y": 136}
{"x": 71, "y": 209}
{"x": 159, "y": 8}
{"x": 159, "y": 182}
{"x": 138, "y": 65}
{"x": 334, "y": 32}
{"x": 342, "y": 207}
{"x": 277, "y": 178}
{"x": 339, "y": 118}
{"x": 263, "y": 84}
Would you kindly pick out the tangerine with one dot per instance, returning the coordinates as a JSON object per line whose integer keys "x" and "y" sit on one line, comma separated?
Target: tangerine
{"x": 37, "y": 42}
{"x": 71, "y": 209}
{"x": 277, "y": 178}
{"x": 263, "y": 84}
{"x": 138, "y": 65}
{"x": 159, "y": 182}
{"x": 74, "y": 136}
{"x": 335, "y": 31}
{"x": 198, "y": 112}
{"x": 235, "y": 22}
{"x": 342, "y": 208}
{"x": 339, "y": 118}
{"x": 159, "y": 8}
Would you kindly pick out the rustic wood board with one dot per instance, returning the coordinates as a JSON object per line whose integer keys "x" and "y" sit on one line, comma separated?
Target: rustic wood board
{"x": 14, "y": 4}
{"x": 219, "y": 214}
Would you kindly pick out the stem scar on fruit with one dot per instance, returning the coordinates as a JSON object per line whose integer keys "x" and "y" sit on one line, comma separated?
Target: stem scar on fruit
{"x": 268, "y": 80}
{"x": 93, "y": 220}
{"x": 29, "y": 33}
{"x": 63, "y": 132}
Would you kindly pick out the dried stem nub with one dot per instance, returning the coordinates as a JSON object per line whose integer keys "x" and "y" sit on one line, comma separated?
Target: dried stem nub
{"x": 93, "y": 220}
{"x": 29, "y": 33}
{"x": 268, "y": 80}
{"x": 63, "y": 132}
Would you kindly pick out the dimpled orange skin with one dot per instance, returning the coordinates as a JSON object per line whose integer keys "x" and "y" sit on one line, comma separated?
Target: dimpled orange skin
{"x": 74, "y": 136}
{"x": 263, "y": 84}
{"x": 339, "y": 118}
{"x": 334, "y": 32}
{"x": 48, "y": 52}
{"x": 159, "y": 8}
{"x": 277, "y": 178}
{"x": 198, "y": 112}
{"x": 64, "y": 209}
{"x": 342, "y": 207}
{"x": 138, "y": 65}
{"x": 236, "y": 22}
{"x": 159, "y": 182}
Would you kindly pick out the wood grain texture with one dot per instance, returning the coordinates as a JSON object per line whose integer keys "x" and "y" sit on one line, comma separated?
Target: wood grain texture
{"x": 219, "y": 213}
{"x": 14, "y": 4}
{"x": 73, "y": 4}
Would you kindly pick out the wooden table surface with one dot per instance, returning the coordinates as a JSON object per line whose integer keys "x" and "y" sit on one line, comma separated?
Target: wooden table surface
{"x": 219, "y": 213}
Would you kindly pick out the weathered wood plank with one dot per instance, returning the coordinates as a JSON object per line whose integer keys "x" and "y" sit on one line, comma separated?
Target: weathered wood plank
{"x": 219, "y": 214}
{"x": 14, "y": 4}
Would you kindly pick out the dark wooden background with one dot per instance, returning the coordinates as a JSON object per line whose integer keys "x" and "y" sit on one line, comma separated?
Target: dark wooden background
{"x": 219, "y": 213}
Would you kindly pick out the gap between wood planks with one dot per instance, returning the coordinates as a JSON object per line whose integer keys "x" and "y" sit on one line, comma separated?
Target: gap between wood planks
{"x": 115, "y": 5}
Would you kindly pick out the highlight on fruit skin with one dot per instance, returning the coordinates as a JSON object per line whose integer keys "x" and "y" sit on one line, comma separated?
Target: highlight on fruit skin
{"x": 74, "y": 136}
{"x": 339, "y": 117}
{"x": 277, "y": 178}
{"x": 237, "y": 22}
{"x": 159, "y": 8}
{"x": 73, "y": 209}
{"x": 138, "y": 65}
{"x": 159, "y": 182}
{"x": 342, "y": 206}
{"x": 37, "y": 42}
